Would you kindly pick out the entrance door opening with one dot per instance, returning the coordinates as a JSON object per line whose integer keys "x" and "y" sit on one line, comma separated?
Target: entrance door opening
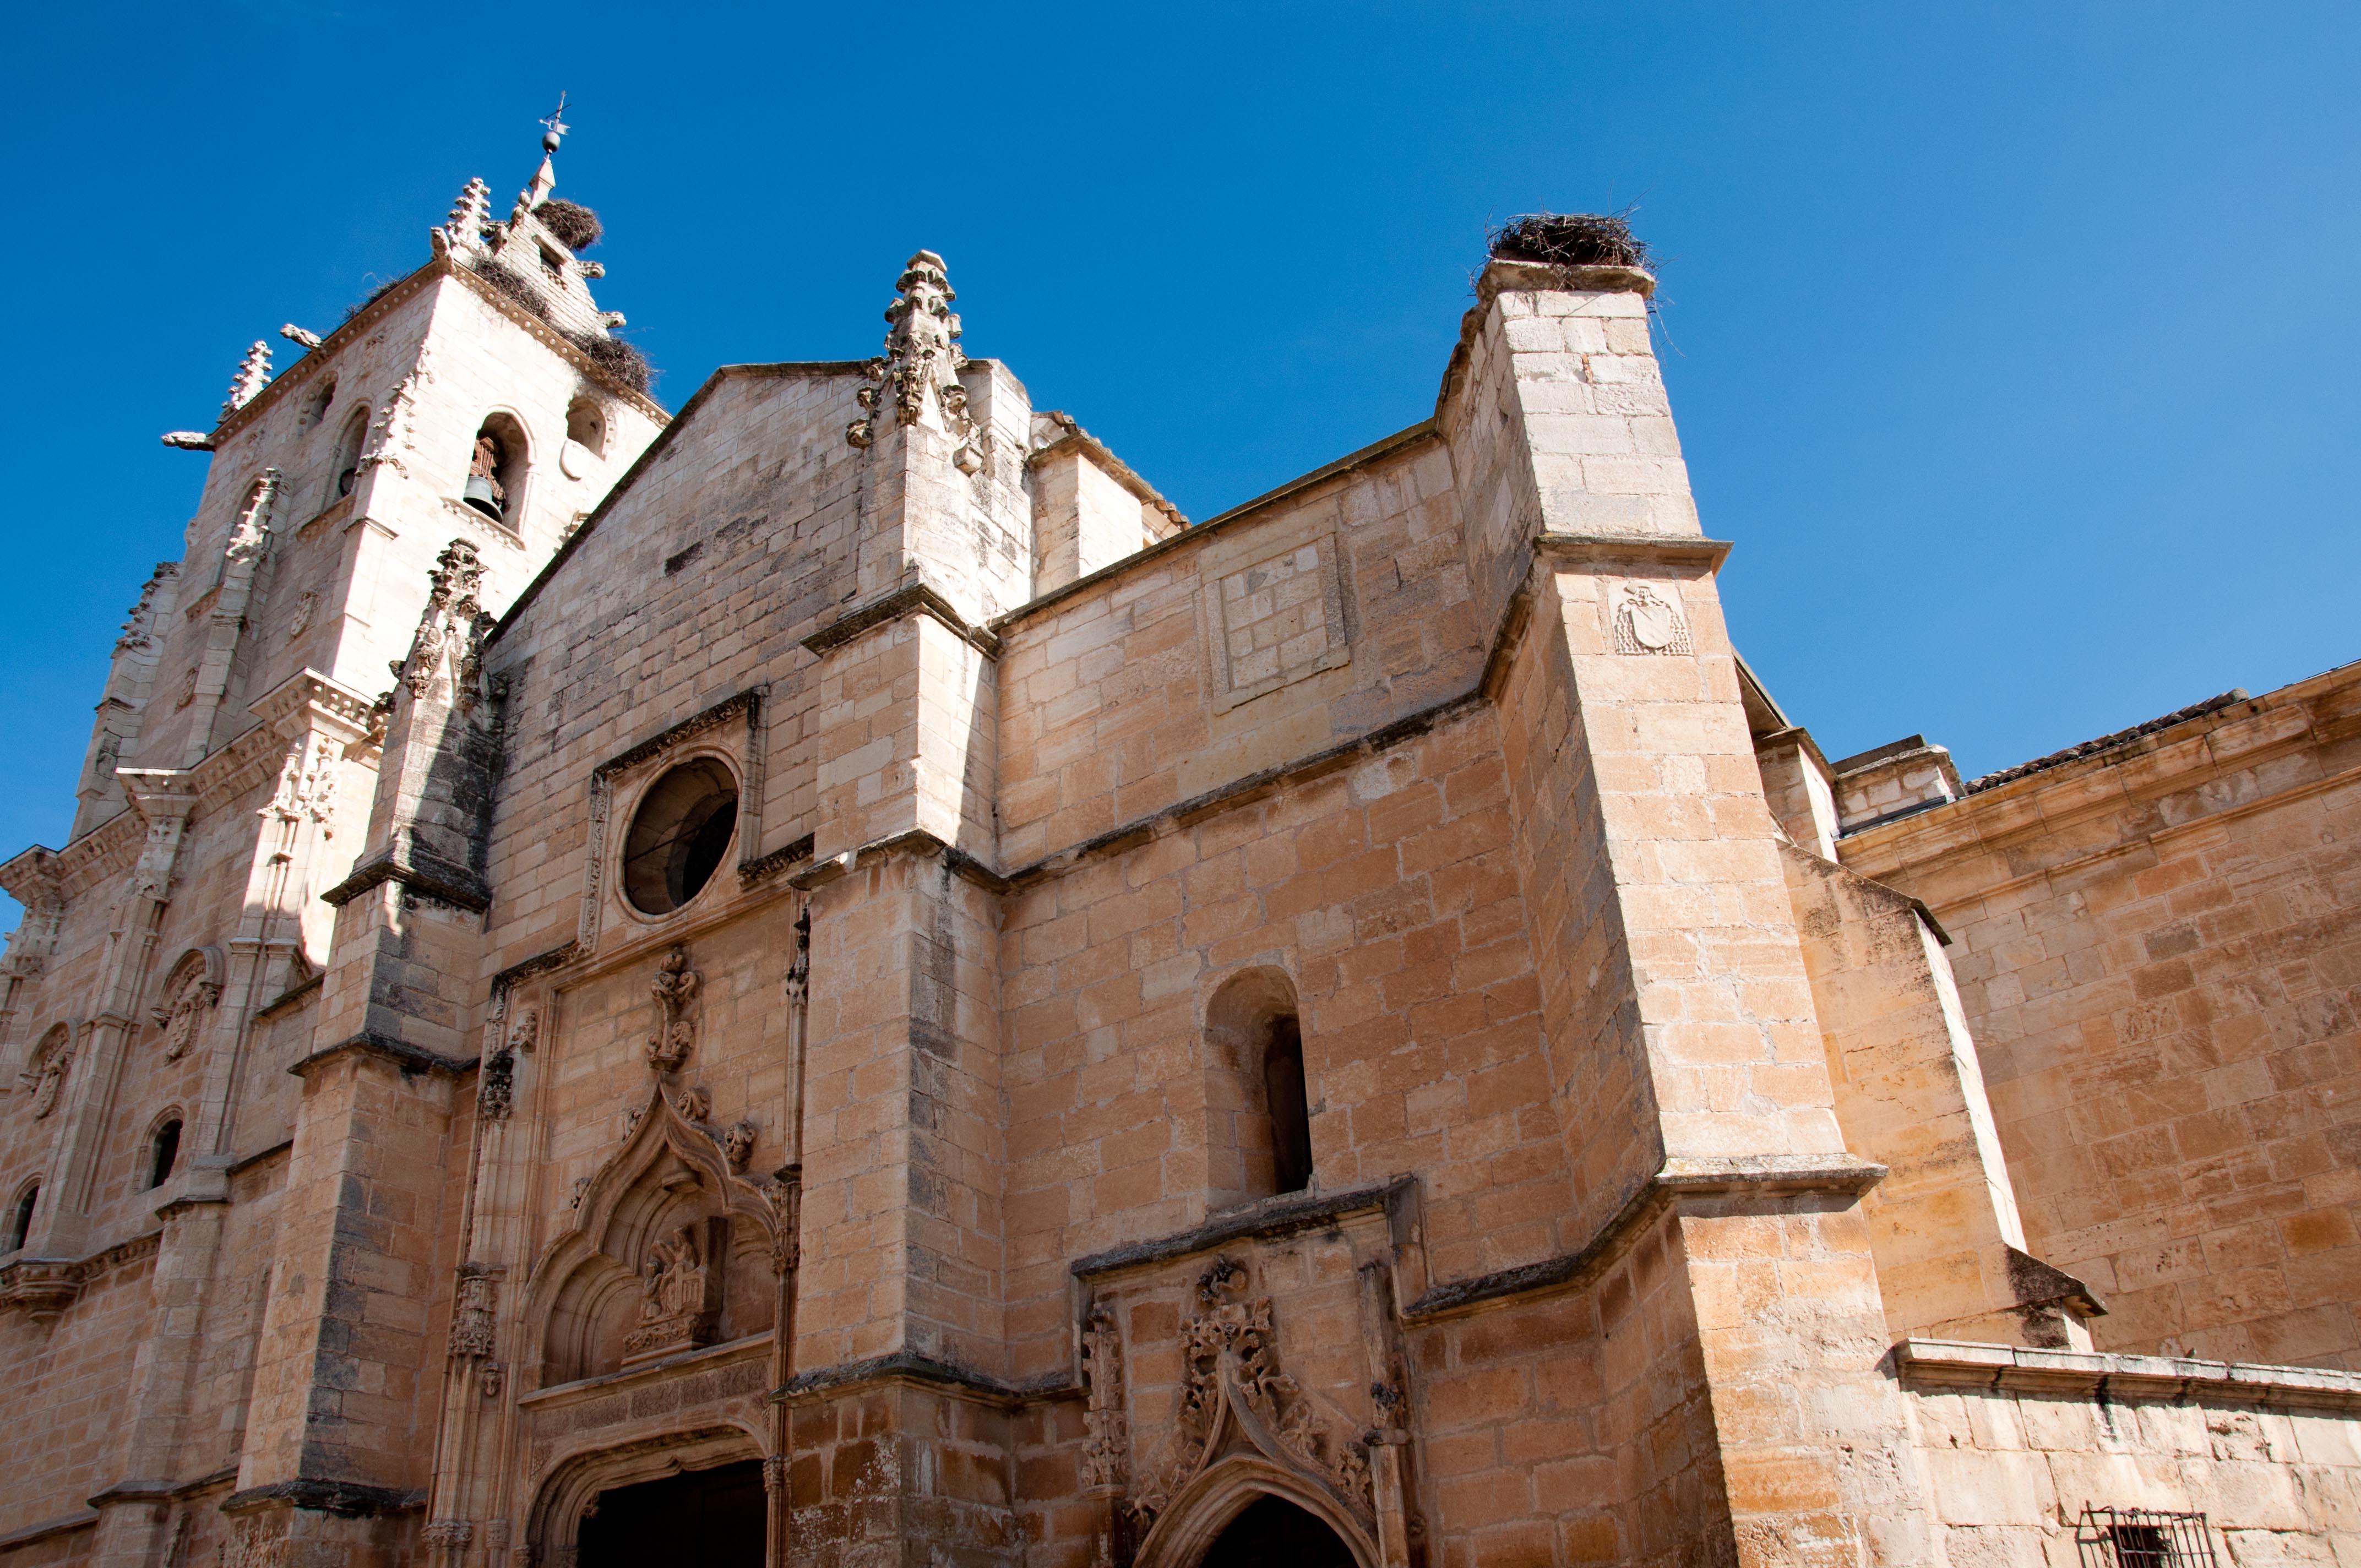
{"x": 1273, "y": 1533}
{"x": 711, "y": 1518}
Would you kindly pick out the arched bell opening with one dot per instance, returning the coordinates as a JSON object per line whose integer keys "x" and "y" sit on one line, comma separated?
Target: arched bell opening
{"x": 1246, "y": 1512}
{"x": 344, "y": 460}
{"x": 497, "y": 464}
{"x": 20, "y": 1216}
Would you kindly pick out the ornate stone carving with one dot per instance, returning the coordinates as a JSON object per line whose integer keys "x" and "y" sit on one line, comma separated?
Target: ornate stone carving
{"x": 1105, "y": 1441}
{"x": 921, "y": 361}
{"x": 738, "y": 1144}
{"x": 695, "y": 1104}
{"x": 307, "y": 783}
{"x": 1648, "y": 622}
{"x": 470, "y": 214}
{"x": 474, "y": 1312}
{"x": 181, "y": 1014}
{"x": 1232, "y": 1383}
{"x": 258, "y": 1541}
{"x": 139, "y": 627}
{"x": 51, "y": 1061}
{"x": 306, "y": 606}
{"x": 188, "y": 690}
{"x": 496, "y": 1089}
{"x": 525, "y": 1033}
{"x": 674, "y": 988}
{"x": 674, "y": 1286}
{"x": 447, "y": 1535}
{"x": 250, "y": 535}
{"x": 784, "y": 1200}
{"x": 491, "y": 1379}
{"x": 392, "y": 433}
{"x": 252, "y": 374}
{"x": 450, "y": 640}
{"x": 774, "y": 1472}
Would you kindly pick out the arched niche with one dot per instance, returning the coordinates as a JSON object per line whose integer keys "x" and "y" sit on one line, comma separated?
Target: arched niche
{"x": 554, "y": 1526}
{"x": 670, "y": 1250}
{"x": 1257, "y": 1132}
{"x": 499, "y": 462}
{"x": 344, "y": 458}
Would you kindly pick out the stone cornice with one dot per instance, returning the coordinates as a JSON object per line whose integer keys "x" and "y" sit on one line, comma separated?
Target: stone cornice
{"x": 1691, "y": 551}
{"x": 412, "y": 1059}
{"x": 917, "y": 599}
{"x": 2159, "y": 782}
{"x": 1077, "y": 439}
{"x": 926, "y": 1371}
{"x": 1267, "y": 1220}
{"x": 351, "y": 1499}
{"x": 423, "y": 874}
{"x": 1946, "y": 1364}
{"x": 308, "y": 699}
{"x": 1770, "y": 1180}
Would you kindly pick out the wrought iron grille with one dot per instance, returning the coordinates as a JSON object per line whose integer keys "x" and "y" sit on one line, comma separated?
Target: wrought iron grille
{"x": 2143, "y": 1538}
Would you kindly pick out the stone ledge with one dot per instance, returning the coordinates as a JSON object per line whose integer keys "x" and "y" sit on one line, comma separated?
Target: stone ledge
{"x": 412, "y": 1059}
{"x": 1271, "y": 1217}
{"x": 1755, "y": 1175}
{"x": 2017, "y": 1369}
{"x": 913, "y": 1367}
{"x": 352, "y": 1499}
{"x": 47, "y": 1528}
{"x": 421, "y": 874}
{"x": 1665, "y": 549}
{"x": 918, "y": 597}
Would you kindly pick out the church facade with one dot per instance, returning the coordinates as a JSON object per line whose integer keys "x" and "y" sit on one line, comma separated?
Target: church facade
{"x": 825, "y": 979}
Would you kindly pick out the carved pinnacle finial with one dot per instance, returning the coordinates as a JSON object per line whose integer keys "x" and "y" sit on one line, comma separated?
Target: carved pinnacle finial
{"x": 470, "y": 214}
{"x": 921, "y": 356}
{"x": 544, "y": 179}
{"x": 252, "y": 374}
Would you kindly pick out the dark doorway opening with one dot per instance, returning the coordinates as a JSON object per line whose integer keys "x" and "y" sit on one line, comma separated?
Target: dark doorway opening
{"x": 1290, "y": 1115}
{"x": 711, "y": 1518}
{"x": 1275, "y": 1533}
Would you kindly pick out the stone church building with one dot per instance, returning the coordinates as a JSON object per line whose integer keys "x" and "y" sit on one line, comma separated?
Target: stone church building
{"x": 866, "y": 992}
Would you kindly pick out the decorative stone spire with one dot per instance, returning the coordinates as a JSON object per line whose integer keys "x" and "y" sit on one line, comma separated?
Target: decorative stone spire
{"x": 464, "y": 230}
{"x": 544, "y": 179}
{"x": 252, "y": 374}
{"x": 921, "y": 356}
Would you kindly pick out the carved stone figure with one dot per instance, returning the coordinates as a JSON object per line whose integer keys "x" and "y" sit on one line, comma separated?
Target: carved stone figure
{"x": 48, "y": 1073}
{"x": 694, "y": 1104}
{"x": 449, "y": 641}
{"x": 738, "y": 1144}
{"x": 1648, "y": 622}
{"x": 473, "y": 1317}
{"x": 182, "y": 1015}
{"x": 675, "y": 987}
{"x": 672, "y": 1296}
{"x": 525, "y": 1033}
{"x": 496, "y": 1091}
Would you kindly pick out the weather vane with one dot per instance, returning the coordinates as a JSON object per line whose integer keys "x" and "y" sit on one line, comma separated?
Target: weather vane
{"x": 555, "y": 126}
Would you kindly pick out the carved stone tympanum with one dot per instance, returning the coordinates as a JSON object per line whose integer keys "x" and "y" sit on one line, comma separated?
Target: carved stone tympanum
{"x": 679, "y": 1292}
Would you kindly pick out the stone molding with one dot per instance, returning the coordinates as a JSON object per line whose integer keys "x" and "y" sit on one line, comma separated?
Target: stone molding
{"x": 348, "y": 1499}
{"x": 749, "y": 830}
{"x": 926, "y": 1371}
{"x": 1765, "y": 1178}
{"x": 412, "y": 1059}
{"x": 1939, "y": 1364}
{"x": 47, "y": 1286}
{"x": 1266, "y": 1220}
{"x": 46, "y": 1530}
{"x": 917, "y": 598}
{"x": 1502, "y": 276}
{"x": 427, "y": 875}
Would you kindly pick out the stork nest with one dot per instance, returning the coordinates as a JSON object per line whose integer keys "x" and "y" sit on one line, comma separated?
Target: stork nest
{"x": 514, "y": 287}
{"x": 620, "y": 360}
{"x": 371, "y": 298}
{"x": 1572, "y": 240}
{"x": 576, "y": 226}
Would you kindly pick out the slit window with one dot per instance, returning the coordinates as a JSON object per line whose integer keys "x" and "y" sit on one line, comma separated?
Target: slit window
{"x": 20, "y": 1221}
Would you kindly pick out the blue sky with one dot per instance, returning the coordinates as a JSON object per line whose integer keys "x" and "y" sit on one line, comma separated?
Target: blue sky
{"x": 2013, "y": 346}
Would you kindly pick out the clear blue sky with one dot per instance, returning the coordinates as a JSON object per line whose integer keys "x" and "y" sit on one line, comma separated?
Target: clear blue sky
{"x": 2015, "y": 346}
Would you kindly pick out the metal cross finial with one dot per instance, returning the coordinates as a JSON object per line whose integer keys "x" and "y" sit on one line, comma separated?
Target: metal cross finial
{"x": 554, "y": 126}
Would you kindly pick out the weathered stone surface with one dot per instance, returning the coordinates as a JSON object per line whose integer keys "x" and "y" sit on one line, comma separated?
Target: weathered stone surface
{"x": 1713, "y": 1156}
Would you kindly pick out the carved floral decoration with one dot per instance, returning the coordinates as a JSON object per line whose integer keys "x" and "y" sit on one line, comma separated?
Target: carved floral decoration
{"x": 1232, "y": 1383}
{"x": 921, "y": 357}
{"x": 1105, "y": 1440}
{"x": 307, "y": 784}
{"x": 674, "y": 988}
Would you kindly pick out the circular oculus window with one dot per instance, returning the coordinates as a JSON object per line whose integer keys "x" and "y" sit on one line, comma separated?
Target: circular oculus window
{"x": 679, "y": 837}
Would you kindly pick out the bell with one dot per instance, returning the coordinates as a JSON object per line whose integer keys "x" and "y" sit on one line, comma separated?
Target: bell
{"x": 481, "y": 494}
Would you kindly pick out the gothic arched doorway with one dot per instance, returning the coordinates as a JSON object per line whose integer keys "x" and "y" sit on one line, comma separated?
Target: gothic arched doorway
{"x": 711, "y": 1518}
{"x": 1273, "y": 1533}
